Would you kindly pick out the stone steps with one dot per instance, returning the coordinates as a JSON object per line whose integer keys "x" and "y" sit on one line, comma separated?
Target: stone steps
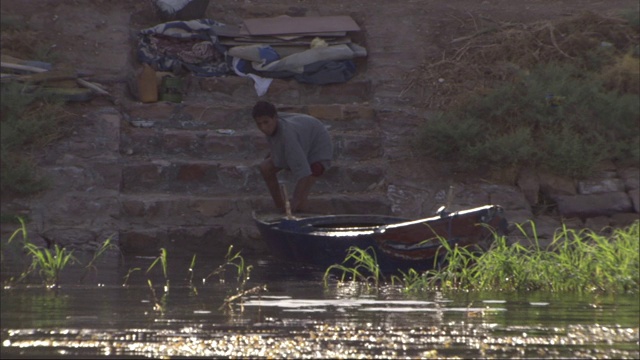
{"x": 204, "y": 224}
{"x": 189, "y": 169}
{"x": 229, "y": 144}
{"x": 239, "y": 90}
{"x": 220, "y": 177}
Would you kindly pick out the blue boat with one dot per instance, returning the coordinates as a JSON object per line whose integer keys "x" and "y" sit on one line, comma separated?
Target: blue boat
{"x": 399, "y": 243}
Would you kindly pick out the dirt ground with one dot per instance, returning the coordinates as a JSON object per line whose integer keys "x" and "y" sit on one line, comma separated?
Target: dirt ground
{"x": 411, "y": 44}
{"x": 91, "y": 35}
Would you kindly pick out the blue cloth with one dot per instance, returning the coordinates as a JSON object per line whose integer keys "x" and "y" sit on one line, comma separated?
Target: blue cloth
{"x": 268, "y": 54}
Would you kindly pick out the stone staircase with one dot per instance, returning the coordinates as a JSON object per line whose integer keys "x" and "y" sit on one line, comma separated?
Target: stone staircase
{"x": 189, "y": 170}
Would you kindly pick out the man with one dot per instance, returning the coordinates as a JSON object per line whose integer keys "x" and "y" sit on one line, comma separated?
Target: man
{"x": 297, "y": 142}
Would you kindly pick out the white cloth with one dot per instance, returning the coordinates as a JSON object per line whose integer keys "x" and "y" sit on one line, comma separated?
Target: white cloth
{"x": 261, "y": 84}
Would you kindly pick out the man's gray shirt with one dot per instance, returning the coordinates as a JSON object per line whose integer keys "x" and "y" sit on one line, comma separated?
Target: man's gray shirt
{"x": 300, "y": 140}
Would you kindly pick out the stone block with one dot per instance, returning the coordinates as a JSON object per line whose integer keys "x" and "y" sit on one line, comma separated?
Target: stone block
{"x": 180, "y": 142}
{"x": 133, "y": 208}
{"x": 529, "y": 184}
{"x": 216, "y": 146}
{"x": 358, "y": 112}
{"x": 224, "y": 84}
{"x": 521, "y": 216}
{"x": 509, "y": 197}
{"x": 108, "y": 175}
{"x": 73, "y": 238}
{"x": 631, "y": 177}
{"x": 357, "y": 148}
{"x": 140, "y": 176}
{"x": 238, "y": 178}
{"x": 200, "y": 240}
{"x": 553, "y": 185}
{"x": 156, "y": 111}
{"x": 325, "y": 112}
{"x": 621, "y": 220}
{"x": 191, "y": 172}
{"x": 143, "y": 241}
{"x": 343, "y": 93}
{"x": 598, "y": 224}
{"x": 602, "y": 185}
{"x": 209, "y": 208}
{"x": 136, "y": 141}
{"x": 585, "y": 206}
{"x": 634, "y": 195}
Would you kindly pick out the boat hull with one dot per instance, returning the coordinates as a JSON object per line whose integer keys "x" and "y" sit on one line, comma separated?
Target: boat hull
{"x": 398, "y": 243}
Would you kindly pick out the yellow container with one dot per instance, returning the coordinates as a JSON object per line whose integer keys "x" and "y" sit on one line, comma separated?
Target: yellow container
{"x": 147, "y": 85}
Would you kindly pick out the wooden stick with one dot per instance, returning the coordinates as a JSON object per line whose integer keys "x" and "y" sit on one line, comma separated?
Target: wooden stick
{"x": 287, "y": 205}
{"x": 449, "y": 197}
{"x": 21, "y": 67}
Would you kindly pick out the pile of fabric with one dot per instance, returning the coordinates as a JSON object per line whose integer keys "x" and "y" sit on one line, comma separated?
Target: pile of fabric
{"x": 315, "y": 50}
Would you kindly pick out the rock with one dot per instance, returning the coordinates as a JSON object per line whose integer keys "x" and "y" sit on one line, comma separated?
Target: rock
{"x": 598, "y": 186}
{"x": 635, "y": 199}
{"x": 599, "y": 224}
{"x": 630, "y": 177}
{"x": 585, "y": 206}
{"x": 529, "y": 184}
{"x": 552, "y": 185}
{"x": 539, "y": 232}
{"x": 622, "y": 220}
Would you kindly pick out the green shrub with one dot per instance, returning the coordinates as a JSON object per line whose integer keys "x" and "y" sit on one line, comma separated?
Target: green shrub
{"x": 29, "y": 122}
{"x": 504, "y": 149}
{"x": 558, "y": 117}
{"x": 569, "y": 153}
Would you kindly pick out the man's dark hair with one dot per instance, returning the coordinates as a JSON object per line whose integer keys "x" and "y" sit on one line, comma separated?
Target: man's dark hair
{"x": 264, "y": 108}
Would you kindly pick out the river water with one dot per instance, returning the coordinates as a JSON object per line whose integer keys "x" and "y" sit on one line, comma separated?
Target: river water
{"x": 290, "y": 313}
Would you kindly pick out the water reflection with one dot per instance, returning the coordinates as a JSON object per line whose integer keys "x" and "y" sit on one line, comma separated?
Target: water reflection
{"x": 296, "y": 317}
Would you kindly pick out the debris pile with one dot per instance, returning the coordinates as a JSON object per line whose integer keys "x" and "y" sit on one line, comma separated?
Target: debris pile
{"x": 314, "y": 50}
{"x": 66, "y": 84}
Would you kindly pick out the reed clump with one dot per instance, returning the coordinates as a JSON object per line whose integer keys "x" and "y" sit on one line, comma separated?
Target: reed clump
{"x": 49, "y": 262}
{"x": 582, "y": 261}
{"x": 359, "y": 265}
{"x": 575, "y": 261}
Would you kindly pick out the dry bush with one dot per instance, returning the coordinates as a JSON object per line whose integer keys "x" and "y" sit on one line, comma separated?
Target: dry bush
{"x": 508, "y": 51}
{"x": 19, "y": 43}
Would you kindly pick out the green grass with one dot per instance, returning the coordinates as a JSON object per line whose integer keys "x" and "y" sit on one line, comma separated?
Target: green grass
{"x": 575, "y": 261}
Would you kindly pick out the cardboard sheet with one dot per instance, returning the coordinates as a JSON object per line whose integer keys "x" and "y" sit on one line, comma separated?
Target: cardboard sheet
{"x": 300, "y": 25}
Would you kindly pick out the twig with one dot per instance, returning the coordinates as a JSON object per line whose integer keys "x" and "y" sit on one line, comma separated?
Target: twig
{"x": 475, "y": 24}
{"x": 202, "y": 113}
{"x": 92, "y": 86}
{"x": 553, "y": 40}
{"x": 232, "y": 298}
{"x": 460, "y": 20}
{"x": 477, "y": 33}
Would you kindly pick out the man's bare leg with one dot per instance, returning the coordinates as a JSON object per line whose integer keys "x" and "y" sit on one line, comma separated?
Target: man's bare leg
{"x": 269, "y": 172}
{"x": 301, "y": 192}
